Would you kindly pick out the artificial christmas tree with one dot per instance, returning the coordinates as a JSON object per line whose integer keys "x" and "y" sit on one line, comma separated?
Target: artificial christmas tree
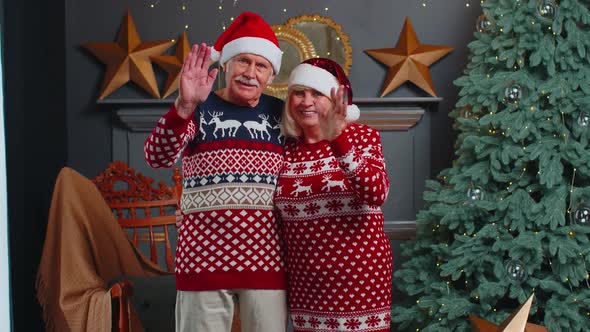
{"x": 512, "y": 216}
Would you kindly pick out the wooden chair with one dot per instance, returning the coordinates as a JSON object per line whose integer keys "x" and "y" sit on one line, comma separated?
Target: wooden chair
{"x": 141, "y": 206}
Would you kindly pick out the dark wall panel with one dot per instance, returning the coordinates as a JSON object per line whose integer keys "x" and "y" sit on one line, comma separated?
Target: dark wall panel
{"x": 35, "y": 119}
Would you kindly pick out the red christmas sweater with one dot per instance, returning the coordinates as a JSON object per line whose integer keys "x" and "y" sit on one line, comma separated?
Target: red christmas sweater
{"x": 230, "y": 163}
{"x": 338, "y": 257}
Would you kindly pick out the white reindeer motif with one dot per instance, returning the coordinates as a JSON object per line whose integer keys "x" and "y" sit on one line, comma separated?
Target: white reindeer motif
{"x": 223, "y": 125}
{"x": 254, "y": 127}
{"x": 278, "y": 126}
{"x": 332, "y": 183}
{"x": 279, "y": 190}
{"x": 202, "y": 122}
{"x": 301, "y": 189}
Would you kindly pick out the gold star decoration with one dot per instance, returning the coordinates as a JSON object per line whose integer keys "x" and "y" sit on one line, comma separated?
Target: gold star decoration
{"x": 517, "y": 322}
{"x": 408, "y": 61}
{"x": 172, "y": 64}
{"x": 128, "y": 59}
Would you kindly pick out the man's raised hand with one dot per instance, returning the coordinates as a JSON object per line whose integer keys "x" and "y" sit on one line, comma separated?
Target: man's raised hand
{"x": 195, "y": 80}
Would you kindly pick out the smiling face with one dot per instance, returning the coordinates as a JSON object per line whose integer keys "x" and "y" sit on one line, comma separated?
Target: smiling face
{"x": 305, "y": 105}
{"x": 246, "y": 77}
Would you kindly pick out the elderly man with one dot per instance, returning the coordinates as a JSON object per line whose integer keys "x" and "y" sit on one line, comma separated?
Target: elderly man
{"x": 228, "y": 245}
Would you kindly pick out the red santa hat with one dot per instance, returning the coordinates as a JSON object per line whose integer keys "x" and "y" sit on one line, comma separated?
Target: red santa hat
{"x": 323, "y": 74}
{"x": 248, "y": 33}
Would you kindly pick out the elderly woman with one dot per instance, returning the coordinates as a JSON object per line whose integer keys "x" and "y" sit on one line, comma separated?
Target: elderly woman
{"x": 329, "y": 195}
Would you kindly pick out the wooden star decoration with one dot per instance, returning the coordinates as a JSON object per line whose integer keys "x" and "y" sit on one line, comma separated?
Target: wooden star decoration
{"x": 172, "y": 64}
{"x": 128, "y": 59}
{"x": 517, "y": 322}
{"x": 408, "y": 61}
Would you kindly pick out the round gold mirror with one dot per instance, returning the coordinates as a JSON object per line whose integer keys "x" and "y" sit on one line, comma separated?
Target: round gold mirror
{"x": 304, "y": 37}
{"x": 296, "y": 47}
{"x": 327, "y": 37}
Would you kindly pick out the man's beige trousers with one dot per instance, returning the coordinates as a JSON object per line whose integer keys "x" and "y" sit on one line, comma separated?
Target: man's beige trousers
{"x": 261, "y": 310}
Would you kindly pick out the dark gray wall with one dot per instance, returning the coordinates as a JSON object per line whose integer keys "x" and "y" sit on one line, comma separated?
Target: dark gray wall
{"x": 35, "y": 118}
{"x": 370, "y": 24}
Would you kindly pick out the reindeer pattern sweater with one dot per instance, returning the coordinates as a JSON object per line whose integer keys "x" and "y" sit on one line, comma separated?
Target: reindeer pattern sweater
{"x": 339, "y": 259}
{"x": 231, "y": 157}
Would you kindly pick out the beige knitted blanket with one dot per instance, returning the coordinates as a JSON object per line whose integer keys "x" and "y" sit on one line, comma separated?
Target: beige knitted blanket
{"x": 84, "y": 249}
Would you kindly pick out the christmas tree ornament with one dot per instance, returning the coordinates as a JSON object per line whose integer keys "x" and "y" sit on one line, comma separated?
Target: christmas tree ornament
{"x": 581, "y": 216}
{"x": 584, "y": 119}
{"x": 172, "y": 64}
{"x": 517, "y": 321}
{"x": 484, "y": 24}
{"x": 466, "y": 112}
{"x": 475, "y": 194}
{"x": 408, "y": 61}
{"x": 516, "y": 271}
{"x": 128, "y": 59}
{"x": 513, "y": 93}
{"x": 546, "y": 10}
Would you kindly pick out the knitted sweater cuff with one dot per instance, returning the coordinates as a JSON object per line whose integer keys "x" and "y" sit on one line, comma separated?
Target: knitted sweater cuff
{"x": 175, "y": 121}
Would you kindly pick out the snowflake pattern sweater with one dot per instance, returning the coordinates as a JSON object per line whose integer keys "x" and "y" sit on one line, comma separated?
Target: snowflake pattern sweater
{"x": 339, "y": 259}
{"x": 230, "y": 163}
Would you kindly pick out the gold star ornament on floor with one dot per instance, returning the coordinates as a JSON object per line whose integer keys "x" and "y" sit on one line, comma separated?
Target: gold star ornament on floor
{"x": 128, "y": 59}
{"x": 408, "y": 61}
{"x": 172, "y": 64}
{"x": 517, "y": 322}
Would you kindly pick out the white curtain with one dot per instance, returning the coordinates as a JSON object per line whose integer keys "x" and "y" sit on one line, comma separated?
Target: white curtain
{"x": 5, "y": 320}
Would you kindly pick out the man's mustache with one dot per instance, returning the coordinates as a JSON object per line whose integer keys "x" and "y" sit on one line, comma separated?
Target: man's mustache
{"x": 248, "y": 81}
